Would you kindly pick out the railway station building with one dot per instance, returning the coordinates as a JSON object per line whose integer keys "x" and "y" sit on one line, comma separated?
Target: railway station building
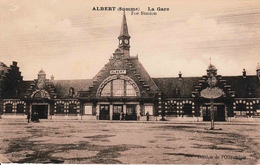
{"x": 123, "y": 86}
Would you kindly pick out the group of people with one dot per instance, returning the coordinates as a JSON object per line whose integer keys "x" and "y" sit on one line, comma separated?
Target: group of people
{"x": 34, "y": 117}
{"x": 122, "y": 116}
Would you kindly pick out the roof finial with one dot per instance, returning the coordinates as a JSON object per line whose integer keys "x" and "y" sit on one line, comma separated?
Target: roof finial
{"x": 124, "y": 28}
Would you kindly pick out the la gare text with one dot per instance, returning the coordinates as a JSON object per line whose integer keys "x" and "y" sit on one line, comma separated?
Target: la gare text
{"x": 158, "y": 9}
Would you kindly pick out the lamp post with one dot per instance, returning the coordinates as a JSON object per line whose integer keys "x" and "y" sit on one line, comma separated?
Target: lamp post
{"x": 211, "y": 114}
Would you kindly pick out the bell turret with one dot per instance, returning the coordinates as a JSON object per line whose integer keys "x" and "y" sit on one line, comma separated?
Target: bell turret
{"x": 41, "y": 75}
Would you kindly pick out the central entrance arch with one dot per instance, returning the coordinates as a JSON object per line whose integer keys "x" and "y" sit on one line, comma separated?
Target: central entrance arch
{"x": 121, "y": 91}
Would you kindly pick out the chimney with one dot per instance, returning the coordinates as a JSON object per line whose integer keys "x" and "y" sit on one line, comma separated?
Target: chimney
{"x": 244, "y": 73}
{"x": 14, "y": 63}
{"x": 180, "y": 75}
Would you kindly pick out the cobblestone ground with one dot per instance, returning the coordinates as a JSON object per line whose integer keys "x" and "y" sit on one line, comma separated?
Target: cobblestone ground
{"x": 79, "y": 141}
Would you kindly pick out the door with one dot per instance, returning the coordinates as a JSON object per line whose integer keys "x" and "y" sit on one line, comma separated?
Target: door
{"x": 104, "y": 112}
{"x": 41, "y": 110}
{"x": 130, "y": 112}
{"x": 117, "y": 111}
{"x": 219, "y": 113}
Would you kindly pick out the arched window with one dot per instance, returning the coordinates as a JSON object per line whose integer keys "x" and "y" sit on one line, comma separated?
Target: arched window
{"x": 170, "y": 108}
{"x": 20, "y": 108}
{"x": 130, "y": 91}
{"x": 187, "y": 109}
{"x": 60, "y": 108}
{"x": 72, "y": 109}
{"x": 118, "y": 87}
{"x": 8, "y": 108}
{"x": 106, "y": 90}
{"x": 240, "y": 109}
{"x": 40, "y": 94}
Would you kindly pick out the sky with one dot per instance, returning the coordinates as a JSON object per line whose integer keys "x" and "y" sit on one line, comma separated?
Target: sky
{"x": 68, "y": 39}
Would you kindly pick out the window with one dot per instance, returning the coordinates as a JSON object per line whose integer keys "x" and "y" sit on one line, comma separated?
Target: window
{"x": 129, "y": 110}
{"x": 8, "y": 108}
{"x": 171, "y": 109}
{"x": 88, "y": 110}
{"x": 118, "y": 88}
{"x": 149, "y": 109}
{"x": 20, "y": 108}
{"x": 106, "y": 90}
{"x": 256, "y": 108}
{"x": 104, "y": 107}
{"x": 206, "y": 110}
{"x": 41, "y": 94}
{"x": 187, "y": 108}
{"x": 117, "y": 108}
{"x": 130, "y": 91}
{"x": 72, "y": 109}
{"x": 240, "y": 110}
{"x": 60, "y": 108}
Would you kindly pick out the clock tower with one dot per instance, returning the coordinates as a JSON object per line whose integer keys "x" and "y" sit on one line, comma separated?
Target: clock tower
{"x": 124, "y": 38}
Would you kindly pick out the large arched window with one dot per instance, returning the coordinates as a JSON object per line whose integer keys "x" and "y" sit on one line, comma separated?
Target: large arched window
{"x": 40, "y": 94}
{"x": 118, "y": 87}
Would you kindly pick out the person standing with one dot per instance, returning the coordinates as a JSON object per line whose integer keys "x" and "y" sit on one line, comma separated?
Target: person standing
{"x": 37, "y": 117}
{"x": 147, "y": 116}
{"x": 120, "y": 116}
{"x": 123, "y": 116}
{"x": 28, "y": 117}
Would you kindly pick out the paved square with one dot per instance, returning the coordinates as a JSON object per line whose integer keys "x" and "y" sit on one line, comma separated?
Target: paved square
{"x": 79, "y": 141}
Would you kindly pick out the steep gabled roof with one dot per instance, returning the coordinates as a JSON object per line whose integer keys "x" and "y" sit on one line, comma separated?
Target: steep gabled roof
{"x": 248, "y": 87}
{"x": 144, "y": 74}
{"x": 24, "y": 86}
{"x": 177, "y": 87}
{"x": 3, "y": 68}
{"x": 244, "y": 87}
{"x": 63, "y": 86}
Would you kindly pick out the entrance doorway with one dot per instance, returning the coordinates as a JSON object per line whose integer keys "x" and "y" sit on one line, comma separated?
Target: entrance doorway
{"x": 130, "y": 112}
{"x": 117, "y": 110}
{"x": 41, "y": 110}
{"x": 219, "y": 113}
{"x": 104, "y": 112}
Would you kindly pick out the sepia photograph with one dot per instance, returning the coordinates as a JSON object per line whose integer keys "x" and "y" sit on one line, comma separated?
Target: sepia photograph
{"x": 129, "y": 82}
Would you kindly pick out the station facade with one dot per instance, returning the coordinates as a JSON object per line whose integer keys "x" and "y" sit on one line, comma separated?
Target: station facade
{"x": 123, "y": 86}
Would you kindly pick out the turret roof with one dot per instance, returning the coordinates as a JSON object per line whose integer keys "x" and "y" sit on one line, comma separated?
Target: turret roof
{"x": 124, "y": 28}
